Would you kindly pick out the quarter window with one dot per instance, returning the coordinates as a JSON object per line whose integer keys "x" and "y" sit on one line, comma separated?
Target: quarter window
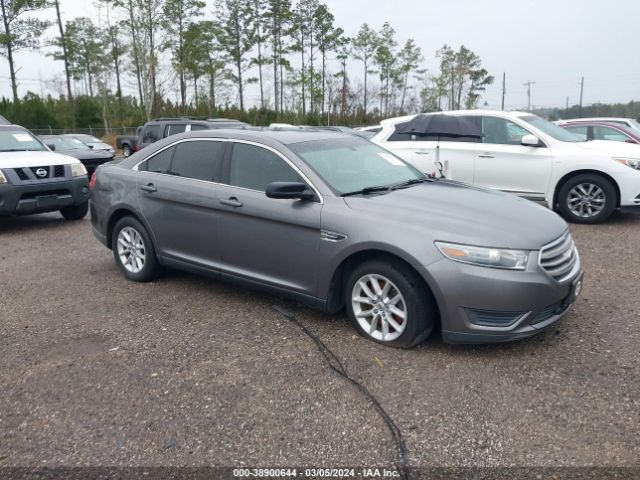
{"x": 582, "y": 132}
{"x": 501, "y": 131}
{"x": 199, "y": 160}
{"x": 174, "y": 129}
{"x": 255, "y": 167}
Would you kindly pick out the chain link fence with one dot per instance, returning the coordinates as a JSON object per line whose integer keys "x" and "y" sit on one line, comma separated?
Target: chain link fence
{"x": 96, "y": 132}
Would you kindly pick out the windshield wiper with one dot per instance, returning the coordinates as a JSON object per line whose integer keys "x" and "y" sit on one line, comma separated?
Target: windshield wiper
{"x": 366, "y": 191}
{"x": 409, "y": 183}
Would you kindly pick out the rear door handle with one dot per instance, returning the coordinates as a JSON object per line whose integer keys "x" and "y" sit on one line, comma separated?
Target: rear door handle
{"x": 232, "y": 202}
{"x": 486, "y": 155}
{"x": 151, "y": 188}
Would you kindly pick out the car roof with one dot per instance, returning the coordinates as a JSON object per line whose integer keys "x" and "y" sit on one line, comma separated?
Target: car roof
{"x": 506, "y": 114}
{"x": 270, "y": 135}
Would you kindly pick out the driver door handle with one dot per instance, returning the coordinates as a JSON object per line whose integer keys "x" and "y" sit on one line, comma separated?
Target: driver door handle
{"x": 422, "y": 152}
{"x": 486, "y": 155}
{"x": 150, "y": 188}
{"x": 232, "y": 202}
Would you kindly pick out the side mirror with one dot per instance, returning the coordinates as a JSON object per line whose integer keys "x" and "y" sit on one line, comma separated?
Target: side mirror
{"x": 51, "y": 146}
{"x": 530, "y": 141}
{"x": 289, "y": 190}
{"x": 90, "y": 146}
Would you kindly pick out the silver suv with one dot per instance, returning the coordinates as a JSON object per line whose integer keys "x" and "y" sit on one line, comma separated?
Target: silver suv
{"x": 335, "y": 221}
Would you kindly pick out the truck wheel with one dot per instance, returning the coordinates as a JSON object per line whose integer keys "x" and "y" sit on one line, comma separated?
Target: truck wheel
{"x": 587, "y": 198}
{"x": 126, "y": 150}
{"x": 388, "y": 303}
{"x": 133, "y": 251}
{"x": 75, "y": 212}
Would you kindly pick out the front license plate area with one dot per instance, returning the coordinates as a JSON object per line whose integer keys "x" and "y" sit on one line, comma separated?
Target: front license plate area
{"x": 45, "y": 201}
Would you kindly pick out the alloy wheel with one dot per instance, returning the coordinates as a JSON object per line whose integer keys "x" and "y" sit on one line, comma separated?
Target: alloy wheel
{"x": 379, "y": 307}
{"x": 586, "y": 200}
{"x": 131, "y": 250}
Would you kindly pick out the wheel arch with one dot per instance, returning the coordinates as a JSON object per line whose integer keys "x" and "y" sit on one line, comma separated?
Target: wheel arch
{"x": 120, "y": 213}
{"x": 585, "y": 171}
{"x": 335, "y": 294}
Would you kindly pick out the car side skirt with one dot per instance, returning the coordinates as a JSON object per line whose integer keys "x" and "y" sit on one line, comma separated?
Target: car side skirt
{"x": 313, "y": 302}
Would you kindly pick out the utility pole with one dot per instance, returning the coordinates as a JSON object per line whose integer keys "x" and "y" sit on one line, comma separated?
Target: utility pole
{"x": 504, "y": 87}
{"x": 528, "y": 85}
{"x": 581, "y": 94}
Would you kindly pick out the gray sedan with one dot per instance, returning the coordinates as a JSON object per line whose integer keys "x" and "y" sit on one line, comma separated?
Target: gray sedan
{"x": 335, "y": 221}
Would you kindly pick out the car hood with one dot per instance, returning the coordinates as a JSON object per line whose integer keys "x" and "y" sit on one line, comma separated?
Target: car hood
{"x": 89, "y": 154}
{"x": 33, "y": 159}
{"x": 460, "y": 213}
{"x": 612, "y": 149}
{"x": 100, "y": 146}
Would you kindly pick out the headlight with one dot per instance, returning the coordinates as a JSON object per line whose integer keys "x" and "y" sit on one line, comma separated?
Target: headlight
{"x": 485, "y": 257}
{"x": 78, "y": 170}
{"x": 629, "y": 162}
{"x": 3, "y": 179}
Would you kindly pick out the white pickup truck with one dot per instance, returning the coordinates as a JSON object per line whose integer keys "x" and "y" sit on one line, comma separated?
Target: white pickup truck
{"x": 33, "y": 179}
{"x": 523, "y": 154}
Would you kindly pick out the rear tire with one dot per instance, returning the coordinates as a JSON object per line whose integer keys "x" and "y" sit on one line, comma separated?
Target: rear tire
{"x": 126, "y": 150}
{"x": 587, "y": 198}
{"x": 75, "y": 212}
{"x": 133, "y": 251}
{"x": 389, "y": 303}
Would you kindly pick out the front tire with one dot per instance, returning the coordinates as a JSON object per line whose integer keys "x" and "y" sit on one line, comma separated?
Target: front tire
{"x": 133, "y": 251}
{"x": 389, "y": 303}
{"x": 75, "y": 212}
{"x": 587, "y": 198}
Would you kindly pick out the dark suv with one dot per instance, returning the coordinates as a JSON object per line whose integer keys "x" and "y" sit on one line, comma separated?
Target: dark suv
{"x": 160, "y": 128}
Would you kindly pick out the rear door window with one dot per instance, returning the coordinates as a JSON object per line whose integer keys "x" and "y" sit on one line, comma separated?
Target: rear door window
{"x": 200, "y": 160}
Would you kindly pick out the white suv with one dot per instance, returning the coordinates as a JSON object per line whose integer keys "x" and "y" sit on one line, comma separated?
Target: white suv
{"x": 523, "y": 154}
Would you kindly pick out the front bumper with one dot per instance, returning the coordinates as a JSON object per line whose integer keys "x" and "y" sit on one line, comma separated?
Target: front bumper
{"x": 42, "y": 197}
{"x": 485, "y": 305}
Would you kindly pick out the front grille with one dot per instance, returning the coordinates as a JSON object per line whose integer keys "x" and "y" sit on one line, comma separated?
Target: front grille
{"x": 58, "y": 171}
{"x": 560, "y": 258}
{"x": 41, "y": 173}
{"x": 21, "y": 174}
{"x": 486, "y": 318}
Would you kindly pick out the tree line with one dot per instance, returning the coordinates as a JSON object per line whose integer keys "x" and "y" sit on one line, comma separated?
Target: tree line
{"x": 179, "y": 58}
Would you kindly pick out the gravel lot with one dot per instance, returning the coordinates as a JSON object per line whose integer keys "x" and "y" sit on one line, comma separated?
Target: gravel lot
{"x": 96, "y": 370}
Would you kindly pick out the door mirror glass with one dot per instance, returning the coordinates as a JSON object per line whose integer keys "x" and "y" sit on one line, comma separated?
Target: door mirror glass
{"x": 530, "y": 141}
{"x": 289, "y": 190}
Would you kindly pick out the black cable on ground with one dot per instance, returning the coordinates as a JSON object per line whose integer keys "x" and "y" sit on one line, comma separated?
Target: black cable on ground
{"x": 401, "y": 463}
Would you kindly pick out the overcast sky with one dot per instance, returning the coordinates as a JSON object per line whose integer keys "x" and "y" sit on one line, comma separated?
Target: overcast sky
{"x": 551, "y": 42}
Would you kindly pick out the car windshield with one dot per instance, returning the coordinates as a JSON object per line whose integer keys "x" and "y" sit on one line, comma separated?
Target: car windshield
{"x": 65, "y": 143}
{"x": 88, "y": 138}
{"x": 352, "y": 164}
{"x": 552, "y": 129}
{"x": 18, "y": 139}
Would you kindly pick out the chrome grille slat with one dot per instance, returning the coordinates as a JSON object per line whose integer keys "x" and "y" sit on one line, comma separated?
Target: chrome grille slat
{"x": 560, "y": 257}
